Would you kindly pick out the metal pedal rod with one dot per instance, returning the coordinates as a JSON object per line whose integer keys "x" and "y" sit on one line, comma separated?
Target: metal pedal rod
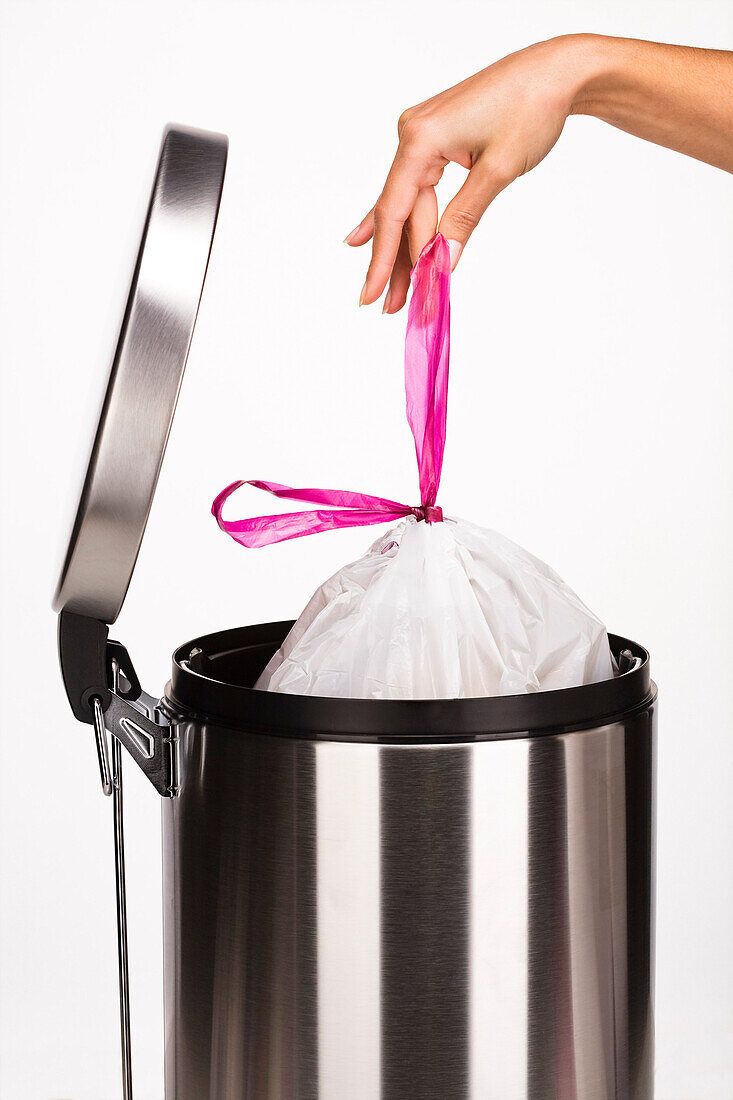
{"x": 112, "y": 784}
{"x": 122, "y": 957}
{"x": 121, "y": 890}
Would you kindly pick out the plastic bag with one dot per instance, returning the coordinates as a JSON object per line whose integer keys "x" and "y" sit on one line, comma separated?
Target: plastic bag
{"x": 442, "y": 610}
{"x": 437, "y": 608}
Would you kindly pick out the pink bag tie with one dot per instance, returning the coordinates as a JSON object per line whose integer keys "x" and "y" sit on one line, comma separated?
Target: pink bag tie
{"x": 427, "y": 346}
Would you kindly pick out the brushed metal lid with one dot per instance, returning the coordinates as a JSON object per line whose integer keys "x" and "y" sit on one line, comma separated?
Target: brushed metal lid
{"x": 146, "y": 373}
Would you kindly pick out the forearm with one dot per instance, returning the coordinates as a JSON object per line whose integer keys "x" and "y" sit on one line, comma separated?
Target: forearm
{"x": 677, "y": 96}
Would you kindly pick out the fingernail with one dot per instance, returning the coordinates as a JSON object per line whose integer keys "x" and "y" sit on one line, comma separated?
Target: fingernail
{"x": 349, "y": 238}
{"x": 362, "y": 296}
{"x": 387, "y": 301}
{"x": 454, "y": 249}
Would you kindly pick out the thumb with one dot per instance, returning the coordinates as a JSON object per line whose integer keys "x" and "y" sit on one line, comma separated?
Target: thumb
{"x": 465, "y": 210}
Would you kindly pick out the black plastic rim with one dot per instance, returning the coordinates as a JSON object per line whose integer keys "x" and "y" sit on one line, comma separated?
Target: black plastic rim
{"x": 211, "y": 675}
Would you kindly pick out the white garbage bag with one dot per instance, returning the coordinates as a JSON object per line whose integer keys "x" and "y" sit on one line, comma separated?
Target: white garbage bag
{"x": 441, "y": 611}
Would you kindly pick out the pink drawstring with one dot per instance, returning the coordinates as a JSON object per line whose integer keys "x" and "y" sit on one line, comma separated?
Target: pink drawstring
{"x": 427, "y": 348}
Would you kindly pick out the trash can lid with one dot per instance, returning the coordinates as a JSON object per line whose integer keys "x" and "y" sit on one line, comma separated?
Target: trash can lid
{"x": 146, "y": 373}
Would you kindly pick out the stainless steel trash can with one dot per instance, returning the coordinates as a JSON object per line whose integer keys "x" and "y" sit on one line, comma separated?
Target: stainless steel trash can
{"x": 423, "y": 900}
{"x": 408, "y": 901}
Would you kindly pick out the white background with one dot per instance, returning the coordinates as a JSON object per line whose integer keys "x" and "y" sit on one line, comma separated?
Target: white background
{"x": 589, "y": 420}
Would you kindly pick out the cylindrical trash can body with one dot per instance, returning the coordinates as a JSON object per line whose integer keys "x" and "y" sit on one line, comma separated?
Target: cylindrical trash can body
{"x": 410, "y": 919}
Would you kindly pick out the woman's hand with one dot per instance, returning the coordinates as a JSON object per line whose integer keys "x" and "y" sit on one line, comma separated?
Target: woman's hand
{"x": 498, "y": 124}
{"x": 503, "y": 121}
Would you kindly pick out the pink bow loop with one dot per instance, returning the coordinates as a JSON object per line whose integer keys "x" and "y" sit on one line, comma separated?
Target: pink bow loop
{"x": 427, "y": 346}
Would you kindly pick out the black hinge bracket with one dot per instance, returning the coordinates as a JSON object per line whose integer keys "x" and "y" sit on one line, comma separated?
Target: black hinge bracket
{"x": 83, "y": 660}
{"x": 91, "y": 665}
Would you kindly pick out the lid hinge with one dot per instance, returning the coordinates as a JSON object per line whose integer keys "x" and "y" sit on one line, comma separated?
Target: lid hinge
{"x": 152, "y": 742}
{"x": 104, "y": 691}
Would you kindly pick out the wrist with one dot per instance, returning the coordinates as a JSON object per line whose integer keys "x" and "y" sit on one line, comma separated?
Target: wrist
{"x": 596, "y": 66}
